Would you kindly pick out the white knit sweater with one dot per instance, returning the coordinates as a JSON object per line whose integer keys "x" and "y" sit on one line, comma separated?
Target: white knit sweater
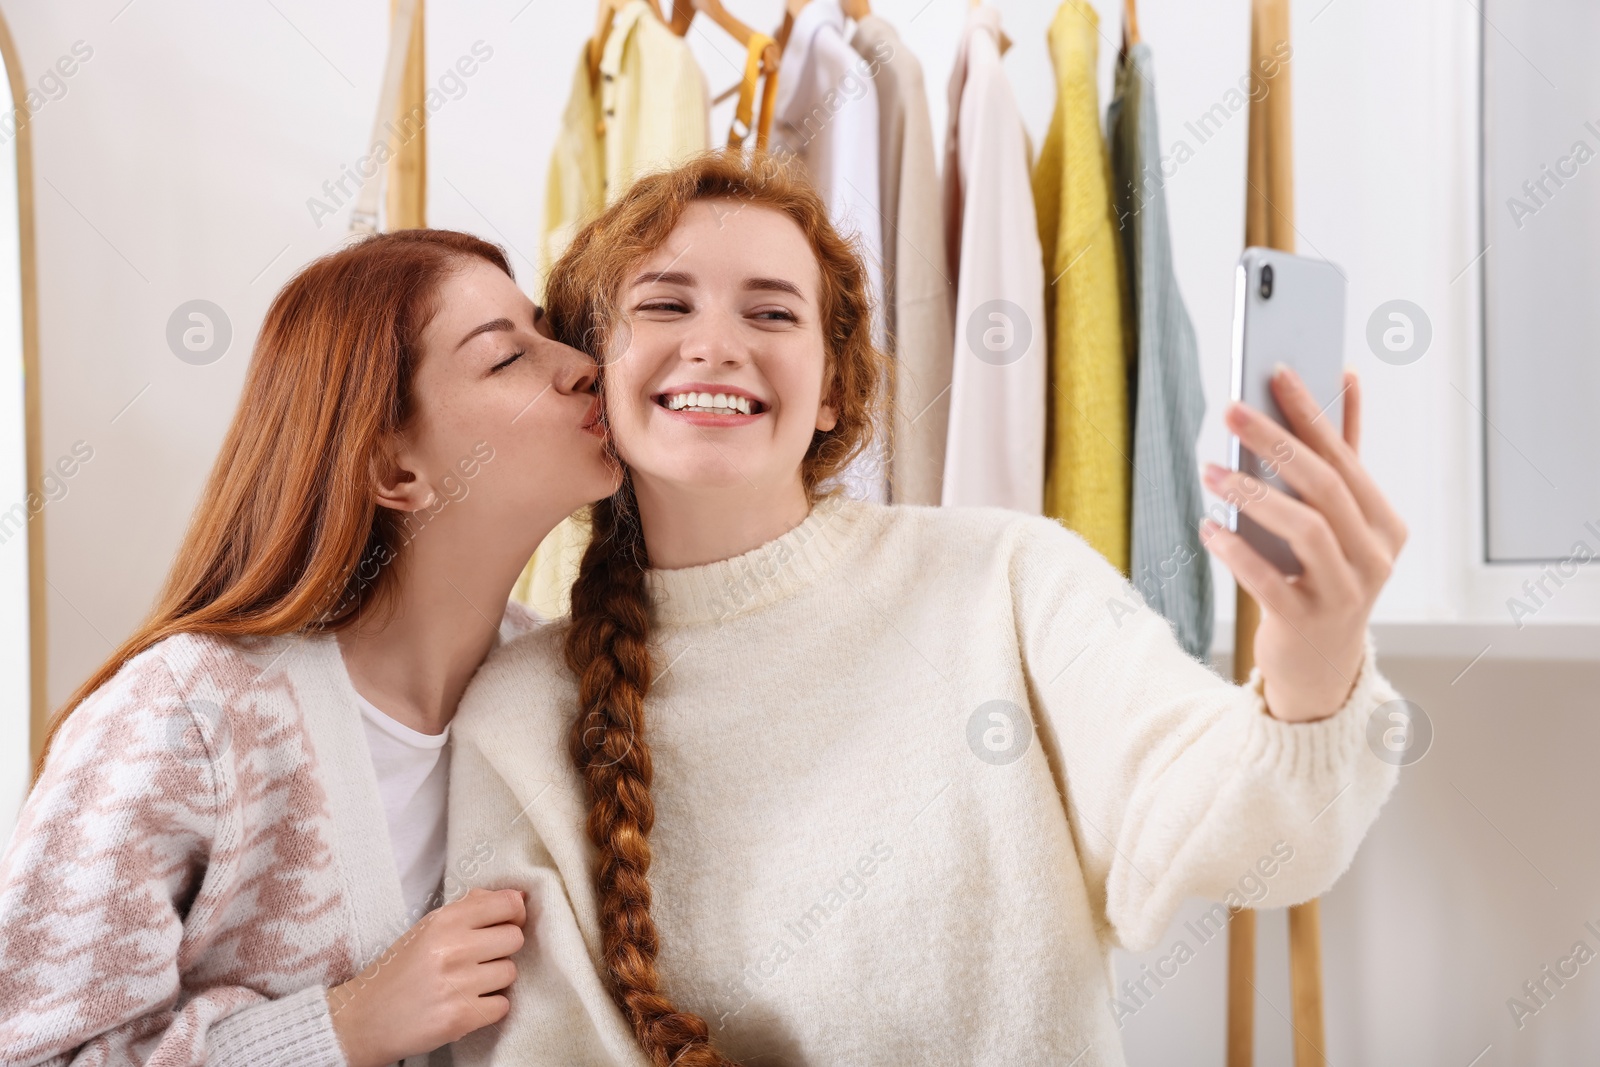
{"x": 204, "y": 855}
{"x": 917, "y": 770}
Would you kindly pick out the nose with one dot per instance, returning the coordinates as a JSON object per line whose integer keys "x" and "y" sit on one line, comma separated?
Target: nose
{"x": 577, "y": 373}
{"x": 711, "y": 340}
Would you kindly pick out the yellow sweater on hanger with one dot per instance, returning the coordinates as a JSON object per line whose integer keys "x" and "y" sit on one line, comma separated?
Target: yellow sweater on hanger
{"x": 1087, "y": 466}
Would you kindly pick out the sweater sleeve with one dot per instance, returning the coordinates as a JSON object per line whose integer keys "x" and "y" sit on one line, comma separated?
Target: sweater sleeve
{"x": 1178, "y": 783}
{"x": 96, "y": 885}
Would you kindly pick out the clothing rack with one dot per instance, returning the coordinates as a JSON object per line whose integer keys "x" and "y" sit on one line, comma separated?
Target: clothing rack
{"x": 400, "y": 99}
{"x": 1269, "y": 222}
{"x": 407, "y": 202}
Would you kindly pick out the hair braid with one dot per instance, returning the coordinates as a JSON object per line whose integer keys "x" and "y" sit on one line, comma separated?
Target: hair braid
{"x": 607, "y": 647}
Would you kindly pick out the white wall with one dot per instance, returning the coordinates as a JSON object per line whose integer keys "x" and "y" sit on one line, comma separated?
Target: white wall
{"x": 178, "y": 166}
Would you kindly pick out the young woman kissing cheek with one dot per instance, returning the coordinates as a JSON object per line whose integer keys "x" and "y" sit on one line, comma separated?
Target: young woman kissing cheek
{"x": 715, "y": 385}
{"x": 499, "y": 390}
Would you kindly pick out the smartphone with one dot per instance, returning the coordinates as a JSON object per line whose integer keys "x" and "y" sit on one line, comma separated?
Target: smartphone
{"x": 1286, "y": 309}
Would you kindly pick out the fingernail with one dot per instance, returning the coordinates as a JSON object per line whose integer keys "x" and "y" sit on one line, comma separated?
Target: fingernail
{"x": 1283, "y": 372}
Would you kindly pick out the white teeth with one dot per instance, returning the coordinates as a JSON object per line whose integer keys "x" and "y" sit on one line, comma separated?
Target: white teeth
{"x": 715, "y": 403}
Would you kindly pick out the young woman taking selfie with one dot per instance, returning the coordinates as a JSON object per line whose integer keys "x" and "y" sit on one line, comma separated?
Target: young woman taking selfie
{"x": 848, "y": 783}
{"x": 244, "y": 807}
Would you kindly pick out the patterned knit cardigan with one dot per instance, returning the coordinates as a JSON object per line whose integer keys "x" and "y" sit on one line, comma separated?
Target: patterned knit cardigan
{"x": 205, "y": 854}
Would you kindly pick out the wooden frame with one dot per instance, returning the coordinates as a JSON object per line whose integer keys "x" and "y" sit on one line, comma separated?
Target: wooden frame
{"x": 406, "y": 206}
{"x": 1269, "y": 222}
{"x": 33, "y": 437}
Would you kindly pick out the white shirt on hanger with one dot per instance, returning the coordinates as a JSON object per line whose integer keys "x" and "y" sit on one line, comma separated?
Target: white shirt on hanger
{"x": 827, "y": 114}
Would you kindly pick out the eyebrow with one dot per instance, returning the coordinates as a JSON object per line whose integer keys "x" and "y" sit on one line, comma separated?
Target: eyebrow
{"x": 755, "y": 285}
{"x": 492, "y": 326}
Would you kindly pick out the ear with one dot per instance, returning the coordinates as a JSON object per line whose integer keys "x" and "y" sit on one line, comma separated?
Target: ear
{"x": 397, "y": 481}
{"x": 827, "y": 410}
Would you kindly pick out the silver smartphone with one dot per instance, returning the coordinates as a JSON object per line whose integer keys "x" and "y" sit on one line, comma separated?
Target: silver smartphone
{"x": 1286, "y": 309}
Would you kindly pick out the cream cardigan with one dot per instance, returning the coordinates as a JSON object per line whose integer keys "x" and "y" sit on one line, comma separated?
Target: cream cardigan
{"x": 917, "y": 770}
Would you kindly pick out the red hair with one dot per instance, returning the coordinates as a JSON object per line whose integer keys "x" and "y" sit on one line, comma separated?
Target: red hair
{"x": 287, "y": 536}
{"x": 607, "y": 644}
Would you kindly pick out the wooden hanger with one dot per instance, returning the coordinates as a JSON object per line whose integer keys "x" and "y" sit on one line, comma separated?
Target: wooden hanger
{"x": 857, "y": 9}
{"x": 682, "y": 15}
{"x": 605, "y": 14}
{"x": 791, "y": 10}
{"x": 1130, "y": 24}
{"x": 684, "y": 11}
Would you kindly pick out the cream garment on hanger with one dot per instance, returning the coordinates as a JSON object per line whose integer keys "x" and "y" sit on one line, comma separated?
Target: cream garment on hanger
{"x": 995, "y": 450}
{"x": 919, "y": 291}
{"x": 651, "y": 110}
{"x": 827, "y": 115}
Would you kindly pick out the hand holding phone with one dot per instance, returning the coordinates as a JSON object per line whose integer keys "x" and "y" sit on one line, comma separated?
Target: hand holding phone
{"x": 1312, "y": 538}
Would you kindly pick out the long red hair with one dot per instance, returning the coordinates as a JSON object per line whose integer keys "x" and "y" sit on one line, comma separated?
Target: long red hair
{"x": 287, "y": 536}
{"x": 608, "y": 642}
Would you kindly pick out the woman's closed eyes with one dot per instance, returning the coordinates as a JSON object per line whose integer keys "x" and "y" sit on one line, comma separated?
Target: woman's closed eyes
{"x": 512, "y": 358}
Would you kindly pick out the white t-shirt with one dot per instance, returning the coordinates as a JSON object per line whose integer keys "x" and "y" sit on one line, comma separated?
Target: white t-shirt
{"x": 413, "y": 780}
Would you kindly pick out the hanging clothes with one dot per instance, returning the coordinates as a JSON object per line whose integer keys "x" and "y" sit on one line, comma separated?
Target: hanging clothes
{"x": 1169, "y": 566}
{"x": 918, "y": 294}
{"x": 575, "y": 182}
{"x": 827, "y": 116}
{"x": 994, "y": 451}
{"x": 1087, "y": 478}
{"x": 649, "y": 110}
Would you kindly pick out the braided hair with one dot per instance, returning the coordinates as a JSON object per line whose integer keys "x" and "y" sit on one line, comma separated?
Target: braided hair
{"x": 608, "y": 638}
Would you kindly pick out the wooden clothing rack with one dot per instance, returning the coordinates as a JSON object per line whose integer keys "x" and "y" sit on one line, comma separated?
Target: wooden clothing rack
{"x": 406, "y": 206}
{"x": 1269, "y": 222}
{"x": 401, "y": 107}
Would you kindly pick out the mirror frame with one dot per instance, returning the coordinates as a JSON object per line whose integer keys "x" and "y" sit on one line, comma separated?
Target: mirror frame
{"x": 32, "y": 442}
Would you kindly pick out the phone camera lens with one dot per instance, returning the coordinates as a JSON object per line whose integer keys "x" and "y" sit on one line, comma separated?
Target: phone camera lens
{"x": 1266, "y": 281}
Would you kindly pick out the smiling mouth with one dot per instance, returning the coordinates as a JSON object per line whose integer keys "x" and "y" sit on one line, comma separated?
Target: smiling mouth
{"x": 711, "y": 403}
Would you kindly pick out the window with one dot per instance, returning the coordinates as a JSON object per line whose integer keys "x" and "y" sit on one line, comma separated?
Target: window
{"x": 1541, "y": 278}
